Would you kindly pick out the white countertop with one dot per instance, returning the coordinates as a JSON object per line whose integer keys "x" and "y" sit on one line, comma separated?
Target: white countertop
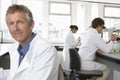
{"x": 113, "y": 55}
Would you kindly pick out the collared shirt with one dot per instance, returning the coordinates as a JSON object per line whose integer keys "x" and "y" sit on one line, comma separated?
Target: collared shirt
{"x": 23, "y": 50}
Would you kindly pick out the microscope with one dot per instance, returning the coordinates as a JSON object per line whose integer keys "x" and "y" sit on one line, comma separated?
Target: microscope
{"x": 116, "y": 47}
{"x": 106, "y": 36}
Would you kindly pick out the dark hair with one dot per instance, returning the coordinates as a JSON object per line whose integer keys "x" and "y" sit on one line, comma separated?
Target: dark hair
{"x": 97, "y": 22}
{"x": 73, "y": 27}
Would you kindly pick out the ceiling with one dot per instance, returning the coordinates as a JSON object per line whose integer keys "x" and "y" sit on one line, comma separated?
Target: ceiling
{"x": 100, "y": 1}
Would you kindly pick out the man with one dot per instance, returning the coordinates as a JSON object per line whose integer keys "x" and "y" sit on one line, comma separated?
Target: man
{"x": 32, "y": 57}
{"x": 92, "y": 43}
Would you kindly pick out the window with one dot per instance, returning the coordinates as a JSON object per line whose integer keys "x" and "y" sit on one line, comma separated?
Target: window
{"x": 112, "y": 23}
{"x": 4, "y": 30}
{"x": 60, "y": 8}
{"x": 112, "y": 19}
{"x": 112, "y": 12}
{"x": 59, "y": 20}
{"x": 112, "y": 16}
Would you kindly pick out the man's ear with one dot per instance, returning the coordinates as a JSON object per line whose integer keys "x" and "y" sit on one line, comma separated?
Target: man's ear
{"x": 32, "y": 25}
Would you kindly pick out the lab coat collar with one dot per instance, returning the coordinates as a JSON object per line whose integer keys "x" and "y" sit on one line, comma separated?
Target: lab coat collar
{"x": 93, "y": 30}
{"x": 25, "y": 62}
{"x": 27, "y": 59}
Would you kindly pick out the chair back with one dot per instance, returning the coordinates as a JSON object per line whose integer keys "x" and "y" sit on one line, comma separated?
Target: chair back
{"x": 5, "y": 61}
{"x": 75, "y": 66}
{"x": 74, "y": 59}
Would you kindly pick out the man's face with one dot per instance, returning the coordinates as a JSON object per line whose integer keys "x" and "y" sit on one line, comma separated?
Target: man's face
{"x": 19, "y": 27}
{"x": 100, "y": 28}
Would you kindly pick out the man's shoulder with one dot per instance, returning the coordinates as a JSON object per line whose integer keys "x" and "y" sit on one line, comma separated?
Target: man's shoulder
{"x": 40, "y": 42}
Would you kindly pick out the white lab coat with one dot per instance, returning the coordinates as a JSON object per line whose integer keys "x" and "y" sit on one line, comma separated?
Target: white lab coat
{"x": 91, "y": 42}
{"x": 40, "y": 63}
{"x": 70, "y": 42}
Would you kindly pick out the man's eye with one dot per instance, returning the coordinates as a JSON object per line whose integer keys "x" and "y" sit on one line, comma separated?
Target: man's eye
{"x": 20, "y": 22}
{"x": 10, "y": 23}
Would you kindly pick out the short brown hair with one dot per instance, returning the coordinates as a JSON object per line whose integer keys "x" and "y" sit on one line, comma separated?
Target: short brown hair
{"x": 97, "y": 22}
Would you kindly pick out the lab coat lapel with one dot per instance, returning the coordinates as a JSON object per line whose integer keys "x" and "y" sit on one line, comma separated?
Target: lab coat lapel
{"x": 14, "y": 57}
{"x": 26, "y": 61}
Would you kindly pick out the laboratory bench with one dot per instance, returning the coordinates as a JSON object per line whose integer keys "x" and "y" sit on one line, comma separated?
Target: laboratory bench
{"x": 114, "y": 57}
{"x": 112, "y": 60}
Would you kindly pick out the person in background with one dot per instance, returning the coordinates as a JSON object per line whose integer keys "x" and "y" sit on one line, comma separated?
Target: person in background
{"x": 93, "y": 42}
{"x": 31, "y": 56}
{"x": 70, "y": 42}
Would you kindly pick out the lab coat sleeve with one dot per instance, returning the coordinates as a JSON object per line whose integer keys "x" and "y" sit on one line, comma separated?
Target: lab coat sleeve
{"x": 4, "y": 74}
{"x": 45, "y": 66}
{"x": 101, "y": 44}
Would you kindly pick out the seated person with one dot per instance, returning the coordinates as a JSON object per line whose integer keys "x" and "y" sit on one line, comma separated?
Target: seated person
{"x": 31, "y": 56}
{"x": 93, "y": 42}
